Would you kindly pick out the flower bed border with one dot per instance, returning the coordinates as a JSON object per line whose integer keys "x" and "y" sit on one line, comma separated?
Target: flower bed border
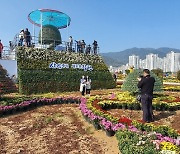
{"x": 116, "y": 104}
{"x": 109, "y": 124}
{"x": 28, "y": 105}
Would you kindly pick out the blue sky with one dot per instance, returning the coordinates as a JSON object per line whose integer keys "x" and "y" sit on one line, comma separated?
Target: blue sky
{"x": 115, "y": 24}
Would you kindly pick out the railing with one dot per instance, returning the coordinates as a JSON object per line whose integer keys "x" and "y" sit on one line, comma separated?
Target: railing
{"x": 9, "y": 52}
{"x": 54, "y": 44}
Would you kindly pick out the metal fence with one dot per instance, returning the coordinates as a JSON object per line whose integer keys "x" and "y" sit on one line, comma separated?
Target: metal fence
{"x": 54, "y": 44}
{"x": 9, "y": 52}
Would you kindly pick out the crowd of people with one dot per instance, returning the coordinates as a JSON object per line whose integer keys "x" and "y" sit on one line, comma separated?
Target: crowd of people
{"x": 85, "y": 85}
{"x": 81, "y": 47}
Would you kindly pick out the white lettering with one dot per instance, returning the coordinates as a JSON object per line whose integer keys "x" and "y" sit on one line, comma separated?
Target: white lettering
{"x": 84, "y": 67}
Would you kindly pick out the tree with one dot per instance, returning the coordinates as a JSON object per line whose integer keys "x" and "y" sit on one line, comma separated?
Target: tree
{"x": 6, "y": 84}
{"x": 130, "y": 83}
{"x": 178, "y": 75}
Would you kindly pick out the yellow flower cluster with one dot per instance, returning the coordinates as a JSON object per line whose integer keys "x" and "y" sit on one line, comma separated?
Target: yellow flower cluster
{"x": 169, "y": 146}
{"x": 126, "y": 96}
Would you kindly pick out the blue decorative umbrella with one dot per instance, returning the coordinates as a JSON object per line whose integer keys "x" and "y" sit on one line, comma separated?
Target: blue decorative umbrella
{"x": 46, "y": 17}
{"x": 43, "y": 17}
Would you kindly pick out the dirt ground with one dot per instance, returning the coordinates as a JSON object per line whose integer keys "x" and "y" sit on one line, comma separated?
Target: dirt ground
{"x": 169, "y": 118}
{"x": 61, "y": 129}
{"x": 57, "y": 129}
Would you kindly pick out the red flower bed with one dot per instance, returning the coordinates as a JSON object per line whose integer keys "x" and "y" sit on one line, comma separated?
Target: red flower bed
{"x": 125, "y": 120}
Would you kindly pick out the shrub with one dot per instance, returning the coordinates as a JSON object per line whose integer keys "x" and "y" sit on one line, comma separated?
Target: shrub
{"x": 132, "y": 142}
{"x": 130, "y": 83}
{"x": 6, "y": 84}
{"x": 158, "y": 72}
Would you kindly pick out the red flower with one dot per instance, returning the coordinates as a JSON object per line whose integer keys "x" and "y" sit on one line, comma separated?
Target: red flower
{"x": 125, "y": 120}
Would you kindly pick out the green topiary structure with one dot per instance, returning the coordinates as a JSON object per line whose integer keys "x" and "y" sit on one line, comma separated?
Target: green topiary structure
{"x": 50, "y": 35}
{"x": 130, "y": 83}
{"x": 35, "y": 76}
{"x": 178, "y": 75}
{"x": 6, "y": 84}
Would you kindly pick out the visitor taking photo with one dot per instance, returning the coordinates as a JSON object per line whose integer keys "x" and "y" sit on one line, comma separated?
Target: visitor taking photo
{"x": 146, "y": 85}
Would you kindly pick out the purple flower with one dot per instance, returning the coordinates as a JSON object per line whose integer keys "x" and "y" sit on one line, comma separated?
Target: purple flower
{"x": 118, "y": 126}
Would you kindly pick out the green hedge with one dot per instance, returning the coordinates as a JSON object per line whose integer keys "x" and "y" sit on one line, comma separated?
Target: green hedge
{"x": 35, "y": 76}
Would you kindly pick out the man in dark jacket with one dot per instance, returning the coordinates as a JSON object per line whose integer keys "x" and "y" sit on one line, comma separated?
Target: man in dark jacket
{"x": 27, "y": 37}
{"x": 146, "y": 85}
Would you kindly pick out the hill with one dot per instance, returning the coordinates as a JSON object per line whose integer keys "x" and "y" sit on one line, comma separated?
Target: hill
{"x": 119, "y": 58}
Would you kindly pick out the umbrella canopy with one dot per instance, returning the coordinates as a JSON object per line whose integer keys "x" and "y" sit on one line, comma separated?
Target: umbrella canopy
{"x": 49, "y": 17}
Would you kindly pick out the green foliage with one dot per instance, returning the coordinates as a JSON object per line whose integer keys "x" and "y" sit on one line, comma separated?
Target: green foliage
{"x": 6, "y": 84}
{"x": 158, "y": 72}
{"x": 130, "y": 83}
{"x": 50, "y": 35}
{"x": 132, "y": 142}
{"x": 6, "y": 100}
{"x": 127, "y": 71}
{"x": 35, "y": 76}
{"x": 178, "y": 75}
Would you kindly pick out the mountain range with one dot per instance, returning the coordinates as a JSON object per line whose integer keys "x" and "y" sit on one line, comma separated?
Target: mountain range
{"x": 122, "y": 57}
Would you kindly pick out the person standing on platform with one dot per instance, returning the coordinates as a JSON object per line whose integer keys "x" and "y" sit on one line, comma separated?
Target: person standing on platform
{"x": 88, "y": 85}
{"x": 27, "y": 37}
{"x": 21, "y": 37}
{"x": 78, "y": 46}
{"x": 88, "y": 49}
{"x": 1, "y": 49}
{"x": 70, "y": 43}
{"x": 146, "y": 85}
{"x": 83, "y": 46}
{"x": 95, "y": 45}
{"x": 83, "y": 85}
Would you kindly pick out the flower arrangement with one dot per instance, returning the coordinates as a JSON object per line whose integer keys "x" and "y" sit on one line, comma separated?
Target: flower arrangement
{"x": 169, "y": 146}
{"x": 149, "y": 135}
{"x": 36, "y": 102}
{"x": 127, "y": 101}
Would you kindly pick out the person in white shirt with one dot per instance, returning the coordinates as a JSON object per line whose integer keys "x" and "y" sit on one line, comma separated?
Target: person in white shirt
{"x": 70, "y": 43}
{"x": 82, "y": 85}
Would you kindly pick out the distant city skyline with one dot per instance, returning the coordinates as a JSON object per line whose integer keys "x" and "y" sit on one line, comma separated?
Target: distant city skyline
{"x": 116, "y": 25}
{"x": 170, "y": 63}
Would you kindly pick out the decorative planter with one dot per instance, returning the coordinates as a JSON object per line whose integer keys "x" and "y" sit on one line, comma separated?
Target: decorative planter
{"x": 109, "y": 133}
{"x": 96, "y": 125}
{"x": 87, "y": 119}
{"x": 119, "y": 106}
{"x": 137, "y": 106}
{"x": 124, "y": 106}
